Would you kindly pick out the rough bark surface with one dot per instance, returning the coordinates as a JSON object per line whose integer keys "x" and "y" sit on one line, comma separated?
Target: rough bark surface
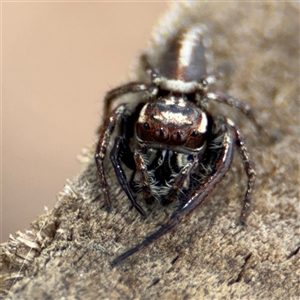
{"x": 66, "y": 253}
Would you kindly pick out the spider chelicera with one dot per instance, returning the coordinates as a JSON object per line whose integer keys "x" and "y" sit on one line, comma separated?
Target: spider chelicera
{"x": 176, "y": 149}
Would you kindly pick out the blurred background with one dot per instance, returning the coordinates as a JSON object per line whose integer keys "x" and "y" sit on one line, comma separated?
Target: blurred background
{"x": 58, "y": 61}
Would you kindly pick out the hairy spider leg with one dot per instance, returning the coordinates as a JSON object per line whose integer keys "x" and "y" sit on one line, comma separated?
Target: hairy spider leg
{"x": 141, "y": 169}
{"x": 107, "y": 130}
{"x": 131, "y": 87}
{"x": 242, "y": 107}
{"x": 222, "y": 166}
{"x": 249, "y": 169}
{"x": 179, "y": 181}
{"x": 101, "y": 149}
{"x": 118, "y": 147}
{"x": 111, "y": 122}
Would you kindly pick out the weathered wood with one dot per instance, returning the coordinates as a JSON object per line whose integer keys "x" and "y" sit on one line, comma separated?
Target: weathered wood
{"x": 66, "y": 254}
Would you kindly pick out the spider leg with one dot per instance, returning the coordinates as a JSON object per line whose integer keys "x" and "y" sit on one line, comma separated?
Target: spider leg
{"x": 249, "y": 169}
{"x": 102, "y": 145}
{"x": 141, "y": 168}
{"x": 115, "y": 159}
{"x": 134, "y": 86}
{"x": 179, "y": 182}
{"x": 244, "y": 108}
{"x": 221, "y": 168}
{"x": 131, "y": 87}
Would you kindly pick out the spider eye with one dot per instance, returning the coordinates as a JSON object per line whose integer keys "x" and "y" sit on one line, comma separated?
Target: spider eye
{"x": 161, "y": 135}
{"x": 146, "y": 126}
{"x": 179, "y": 137}
{"x": 195, "y": 133}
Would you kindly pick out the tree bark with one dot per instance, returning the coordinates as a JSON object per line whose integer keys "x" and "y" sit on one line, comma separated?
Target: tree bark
{"x": 66, "y": 253}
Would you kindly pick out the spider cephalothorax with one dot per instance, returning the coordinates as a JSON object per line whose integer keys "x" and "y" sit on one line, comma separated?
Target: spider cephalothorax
{"x": 176, "y": 150}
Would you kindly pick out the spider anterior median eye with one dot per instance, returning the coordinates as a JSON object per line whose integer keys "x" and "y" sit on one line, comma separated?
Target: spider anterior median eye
{"x": 161, "y": 135}
{"x": 179, "y": 137}
{"x": 146, "y": 126}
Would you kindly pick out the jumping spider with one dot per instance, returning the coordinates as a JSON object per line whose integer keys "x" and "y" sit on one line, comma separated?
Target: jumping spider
{"x": 176, "y": 149}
